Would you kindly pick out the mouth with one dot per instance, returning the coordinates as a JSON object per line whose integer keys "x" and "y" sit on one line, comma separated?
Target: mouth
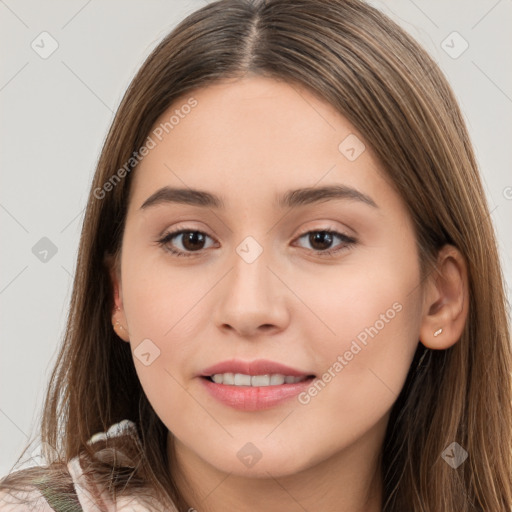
{"x": 243, "y": 372}
{"x": 243, "y": 380}
{"x": 255, "y": 385}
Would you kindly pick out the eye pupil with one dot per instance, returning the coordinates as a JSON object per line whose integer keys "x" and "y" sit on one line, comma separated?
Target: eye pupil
{"x": 323, "y": 237}
{"x": 191, "y": 239}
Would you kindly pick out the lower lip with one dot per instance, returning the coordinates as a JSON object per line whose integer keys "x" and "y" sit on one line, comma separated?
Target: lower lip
{"x": 249, "y": 398}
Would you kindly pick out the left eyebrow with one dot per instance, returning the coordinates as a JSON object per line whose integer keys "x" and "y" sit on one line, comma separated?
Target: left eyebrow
{"x": 291, "y": 199}
{"x": 304, "y": 196}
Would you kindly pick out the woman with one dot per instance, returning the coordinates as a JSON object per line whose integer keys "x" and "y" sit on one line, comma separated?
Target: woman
{"x": 288, "y": 293}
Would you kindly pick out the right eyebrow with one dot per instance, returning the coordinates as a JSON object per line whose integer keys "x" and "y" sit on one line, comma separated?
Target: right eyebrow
{"x": 184, "y": 196}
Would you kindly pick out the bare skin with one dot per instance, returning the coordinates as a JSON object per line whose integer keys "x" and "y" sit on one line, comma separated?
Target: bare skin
{"x": 247, "y": 141}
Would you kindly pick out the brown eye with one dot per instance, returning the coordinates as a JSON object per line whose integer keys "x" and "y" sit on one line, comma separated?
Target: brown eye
{"x": 191, "y": 241}
{"x": 321, "y": 241}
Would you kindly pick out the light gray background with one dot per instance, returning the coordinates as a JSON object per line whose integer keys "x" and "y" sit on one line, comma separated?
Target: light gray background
{"x": 55, "y": 115}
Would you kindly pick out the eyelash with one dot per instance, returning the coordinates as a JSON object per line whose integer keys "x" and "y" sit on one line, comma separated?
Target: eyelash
{"x": 348, "y": 242}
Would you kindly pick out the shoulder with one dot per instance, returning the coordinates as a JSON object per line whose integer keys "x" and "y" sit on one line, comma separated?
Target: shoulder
{"x": 65, "y": 487}
{"x": 56, "y": 488}
{"x": 23, "y": 501}
{"x": 68, "y": 490}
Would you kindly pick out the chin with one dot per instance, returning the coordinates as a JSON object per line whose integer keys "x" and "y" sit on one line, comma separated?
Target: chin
{"x": 251, "y": 461}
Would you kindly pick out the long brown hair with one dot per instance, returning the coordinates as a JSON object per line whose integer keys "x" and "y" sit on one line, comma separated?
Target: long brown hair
{"x": 358, "y": 60}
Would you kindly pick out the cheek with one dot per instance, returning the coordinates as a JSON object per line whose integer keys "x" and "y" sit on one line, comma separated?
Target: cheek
{"x": 159, "y": 296}
{"x": 165, "y": 307}
{"x": 371, "y": 294}
{"x": 162, "y": 307}
{"x": 373, "y": 307}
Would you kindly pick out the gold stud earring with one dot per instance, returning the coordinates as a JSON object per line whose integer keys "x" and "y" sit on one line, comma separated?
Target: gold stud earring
{"x": 438, "y": 332}
{"x": 118, "y": 324}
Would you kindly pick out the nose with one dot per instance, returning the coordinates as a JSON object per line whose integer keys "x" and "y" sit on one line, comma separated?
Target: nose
{"x": 252, "y": 300}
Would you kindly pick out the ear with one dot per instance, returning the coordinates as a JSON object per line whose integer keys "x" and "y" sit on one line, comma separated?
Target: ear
{"x": 445, "y": 301}
{"x": 119, "y": 323}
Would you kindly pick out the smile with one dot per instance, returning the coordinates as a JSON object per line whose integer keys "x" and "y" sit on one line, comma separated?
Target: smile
{"x": 240, "y": 379}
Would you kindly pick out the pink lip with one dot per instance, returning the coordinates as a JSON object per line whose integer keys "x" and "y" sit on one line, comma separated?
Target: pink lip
{"x": 248, "y": 398}
{"x": 257, "y": 367}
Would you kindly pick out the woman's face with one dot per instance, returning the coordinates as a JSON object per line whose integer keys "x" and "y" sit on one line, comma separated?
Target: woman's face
{"x": 254, "y": 290}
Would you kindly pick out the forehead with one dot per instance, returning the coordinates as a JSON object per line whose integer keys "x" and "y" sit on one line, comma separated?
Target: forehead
{"x": 253, "y": 138}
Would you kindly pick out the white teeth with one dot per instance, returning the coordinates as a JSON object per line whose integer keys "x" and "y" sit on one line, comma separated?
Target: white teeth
{"x": 218, "y": 378}
{"x": 261, "y": 380}
{"x": 228, "y": 378}
{"x": 277, "y": 379}
{"x": 240, "y": 379}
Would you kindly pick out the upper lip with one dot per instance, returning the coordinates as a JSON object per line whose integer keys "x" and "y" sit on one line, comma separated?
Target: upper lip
{"x": 257, "y": 367}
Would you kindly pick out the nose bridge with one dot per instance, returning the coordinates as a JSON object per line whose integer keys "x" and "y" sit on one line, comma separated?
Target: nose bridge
{"x": 249, "y": 280}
